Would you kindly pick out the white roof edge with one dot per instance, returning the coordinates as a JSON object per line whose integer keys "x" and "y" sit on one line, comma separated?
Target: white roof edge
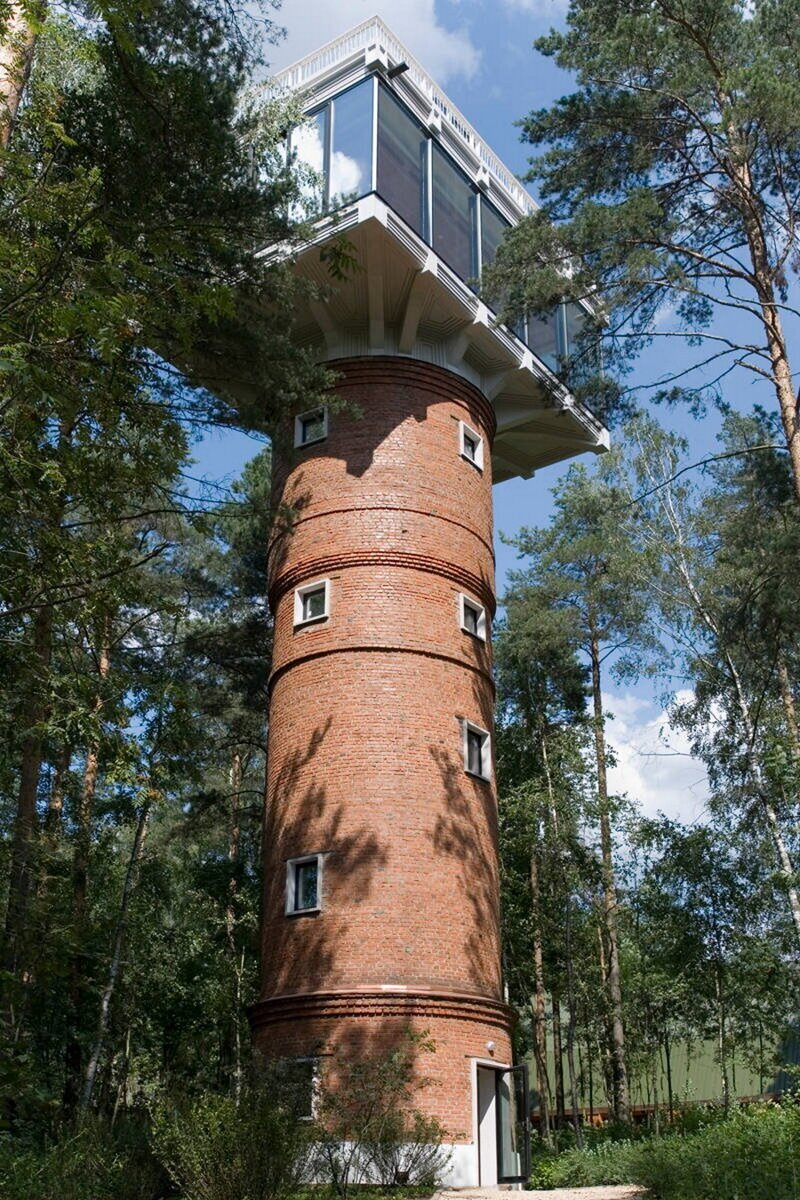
{"x": 301, "y": 74}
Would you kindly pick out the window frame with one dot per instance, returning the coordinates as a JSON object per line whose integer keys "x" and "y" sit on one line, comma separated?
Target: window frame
{"x": 468, "y": 727}
{"x": 291, "y": 884}
{"x": 315, "y": 1083}
{"x": 299, "y": 443}
{"x": 465, "y": 602}
{"x": 466, "y": 431}
{"x": 300, "y": 594}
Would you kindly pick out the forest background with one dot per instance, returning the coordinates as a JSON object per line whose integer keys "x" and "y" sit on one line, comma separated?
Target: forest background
{"x": 135, "y": 627}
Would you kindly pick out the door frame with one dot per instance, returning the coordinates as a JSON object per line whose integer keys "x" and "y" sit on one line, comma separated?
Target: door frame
{"x": 498, "y": 1068}
{"x": 522, "y": 1070}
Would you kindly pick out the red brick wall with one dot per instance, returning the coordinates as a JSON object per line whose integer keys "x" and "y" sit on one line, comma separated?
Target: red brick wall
{"x": 365, "y": 760}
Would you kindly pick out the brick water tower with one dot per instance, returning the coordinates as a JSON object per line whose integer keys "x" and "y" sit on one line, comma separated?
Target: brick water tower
{"x": 381, "y": 901}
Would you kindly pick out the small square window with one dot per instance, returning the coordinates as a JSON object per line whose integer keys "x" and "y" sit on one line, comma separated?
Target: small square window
{"x": 473, "y": 617}
{"x": 304, "y": 884}
{"x": 311, "y": 602}
{"x": 477, "y": 750}
{"x": 471, "y": 445}
{"x": 310, "y": 427}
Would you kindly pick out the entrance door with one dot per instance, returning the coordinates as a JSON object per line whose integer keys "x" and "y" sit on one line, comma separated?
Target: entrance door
{"x": 503, "y": 1126}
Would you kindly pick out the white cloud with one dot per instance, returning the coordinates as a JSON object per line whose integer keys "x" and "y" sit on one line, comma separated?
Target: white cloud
{"x": 552, "y": 9}
{"x": 445, "y": 53}
{"x": 654, "y": 765}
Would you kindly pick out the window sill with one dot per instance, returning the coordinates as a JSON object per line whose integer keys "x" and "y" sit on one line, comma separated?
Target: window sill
{"x": 471, "y": 461}
{"x": 303, "y": 912}
{"x": 478, "y": 775}
{"x": 311, "y": 621}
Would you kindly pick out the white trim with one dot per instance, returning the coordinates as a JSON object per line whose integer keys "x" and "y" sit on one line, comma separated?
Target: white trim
{"x": 291, "y": 882}
{"x": 465, "y": 602}
{"x": 468, "y": 727}
{"x": 466, "y": 431}
{"x": 300, "y": 594}
{"x": 299, "y": 444}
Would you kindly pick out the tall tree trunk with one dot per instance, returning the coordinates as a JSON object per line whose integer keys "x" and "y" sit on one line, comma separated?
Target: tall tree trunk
{"x": 571, "y": 1002}
{"x": 668, "y": 1060}
{"x": 23, "y": 842}
{"x": 55, "y": 805}
{"x": 538, "y": 1014}
{"x": 722, "y": 1039}
{"x": 116, "y": 957}
{"x": 613, "y": 982}
{"x": 230, "y": 919}
{"x": 17, "y": 44}
{"x": 558, "y": 1059}
{"x": 789, "y": 707}
{"x": 80, "y": 889}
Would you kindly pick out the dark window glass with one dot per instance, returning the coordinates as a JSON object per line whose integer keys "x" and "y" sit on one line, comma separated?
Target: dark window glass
{"x": 474, "y": 752}
{"x": 312, "y": 427}
{"x": 472, "y": 619}
{"x": 309, "y": 147}
{"x": 543, "y": 338}
{"x": 301, "y": 1086}
{"x": 453, "y": 216}
{"x": 582, "y": 348}
{"x": 402, "y": 152}
{"x": 305, "y": 885}
{"x": 314, "y": 604}
{"x": 351, "y": 146}
{"x": 493, "y": 229}
{"x": 471, "y": 446}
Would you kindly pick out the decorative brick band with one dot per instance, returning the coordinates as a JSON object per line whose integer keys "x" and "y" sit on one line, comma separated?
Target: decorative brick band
{"x": 485, "y": 675}
{"x": 296, "y": 522}
{"x": 422, "y": 376}
{"x": 327, "y": 564}
{"x": 380, "y": 1003}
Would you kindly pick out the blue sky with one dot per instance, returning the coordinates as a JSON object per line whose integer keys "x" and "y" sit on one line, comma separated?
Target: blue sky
{"x": 482, "y": 55}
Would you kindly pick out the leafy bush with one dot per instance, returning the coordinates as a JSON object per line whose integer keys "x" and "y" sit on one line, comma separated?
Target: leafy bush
{"x": 608, "y": 1162}
{"x": 753, "y": 1155}
{"x": 368, "y": 1129}
{"x": 92, "y": 1163}
{"x": 214, "y": 1150}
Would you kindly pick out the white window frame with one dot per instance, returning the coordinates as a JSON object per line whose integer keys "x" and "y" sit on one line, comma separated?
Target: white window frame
{"x": 464, "y": 431}
{"x": 300, "y": 594}
{"x": 291, "y": 884}
{"x": 465, "y": 602}
{"x": 299, "y": 444}
{"x": 468, "y": 727}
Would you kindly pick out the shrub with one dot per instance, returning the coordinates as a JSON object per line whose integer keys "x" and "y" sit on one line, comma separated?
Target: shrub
{"x": 92, "y": 1163}
{"x": 368, "y": 1128}
{"x": 214, "y": 1150}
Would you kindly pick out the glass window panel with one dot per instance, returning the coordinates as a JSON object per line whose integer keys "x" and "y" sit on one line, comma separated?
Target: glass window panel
{"x": 474, "y": 752}
{"x": 313, "y": 427}
{"x": 472, "y": 618}
{"x": 543, "y": 338}
{"x": 402, "y": 154}
{"x": 582, "y": 345}
{"x": 314, "y": 604}
{"x": 306, "y": 877}
{"x": 453, "y": 216}
{"x": 351, "y": 146}
{"x": 308, "y": 146}
{"x": 493, "y": 229}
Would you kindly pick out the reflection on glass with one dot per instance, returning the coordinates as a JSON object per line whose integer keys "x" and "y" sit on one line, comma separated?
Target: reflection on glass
{"x": 351, "y": 150}
{"x": 511, "y": 1118}
{"x": 453, "y": 216}
{"x": 306, "y": 885}
{"x": 582, "y": 345}
{"x": 543, "y": 339}
{"x": 493, "y": 228}
{"x": 402, "y": 151}
{"x": 308, "y": 147}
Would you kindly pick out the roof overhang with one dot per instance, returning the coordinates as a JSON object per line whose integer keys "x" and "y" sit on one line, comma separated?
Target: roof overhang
{"x": 402, "y": 299}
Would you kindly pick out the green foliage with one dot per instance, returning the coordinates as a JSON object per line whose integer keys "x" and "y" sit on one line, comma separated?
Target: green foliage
{"x": 368, "y": 1128}
{"x": 215, "y": 1149}
{"x": 93, "y": 1162}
